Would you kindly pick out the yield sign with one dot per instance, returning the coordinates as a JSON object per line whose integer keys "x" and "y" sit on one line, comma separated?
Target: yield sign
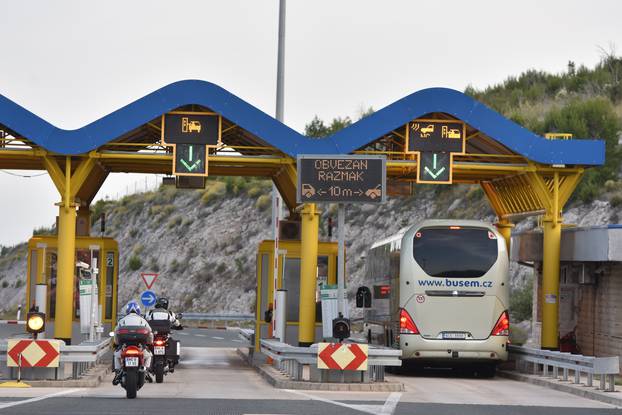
{"x": 35, "y": 353}
{"x": 149, "y": 278}
{"x": 342, "y": 356}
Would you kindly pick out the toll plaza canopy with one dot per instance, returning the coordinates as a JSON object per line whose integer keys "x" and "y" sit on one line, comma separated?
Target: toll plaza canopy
{"x": 520, "y": 172}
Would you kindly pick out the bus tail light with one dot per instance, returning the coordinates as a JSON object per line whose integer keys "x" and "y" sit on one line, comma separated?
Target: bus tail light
{"x": 502, "y": 328}
{"x": 407, "y": 325}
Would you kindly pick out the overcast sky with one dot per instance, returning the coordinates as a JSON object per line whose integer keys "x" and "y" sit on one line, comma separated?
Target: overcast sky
{"x": 73, "y": 62}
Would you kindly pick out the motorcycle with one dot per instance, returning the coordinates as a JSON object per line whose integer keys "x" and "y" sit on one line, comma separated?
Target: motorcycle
{"x": 133, "y": 370}
{"x": 165, "y": 349}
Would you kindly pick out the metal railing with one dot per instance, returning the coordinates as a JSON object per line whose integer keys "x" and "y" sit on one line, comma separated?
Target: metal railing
{"x": 292, "y": 358}
{"x": 81, "y": 357}
{"x": 604, "y": 367}
{"x": 218, "y": 317}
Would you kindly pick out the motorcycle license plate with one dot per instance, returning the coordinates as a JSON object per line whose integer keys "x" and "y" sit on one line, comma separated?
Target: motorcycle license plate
{"x": 159, "y": 350}
{"x": 131, "y": 361}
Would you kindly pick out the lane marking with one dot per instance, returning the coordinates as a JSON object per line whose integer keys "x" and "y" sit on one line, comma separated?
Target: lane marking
{"x": 218, "y": 338}
{"x": 39, "y": 398}
{"x": 368, "y": 409}
{"x": 391, "y": 403}
{"x": 200, "y": 335}
{"x": 183, "y": 334}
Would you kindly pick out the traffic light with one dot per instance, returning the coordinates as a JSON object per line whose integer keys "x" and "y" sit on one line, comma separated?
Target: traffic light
{"x": 341, "y": 327}
{"x": 35, "y": 322}
{"x": 363, "y": 297}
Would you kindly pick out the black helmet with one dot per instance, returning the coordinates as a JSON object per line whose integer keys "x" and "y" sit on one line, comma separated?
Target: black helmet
{"x": 162, "y": 303}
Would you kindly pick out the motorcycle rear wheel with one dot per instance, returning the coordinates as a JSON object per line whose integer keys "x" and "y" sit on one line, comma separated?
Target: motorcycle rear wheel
{"x": 131, "y": 383}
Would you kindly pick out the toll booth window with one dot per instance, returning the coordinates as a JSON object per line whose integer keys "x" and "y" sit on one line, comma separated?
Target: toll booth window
{"x": 291, "y": 282}
{"x": 265, "y": 282}
{"x": 51, "y": 272}
{"x": 109, "y": 285}
{"x": 455, "y": 252}
{"x": 83, "y": 272}
{"x": 33, "y": 276}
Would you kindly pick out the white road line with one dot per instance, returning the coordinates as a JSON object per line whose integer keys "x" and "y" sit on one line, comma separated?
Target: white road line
{"x": 183, "y": 334}
{"x": 369, "y": 409}
{"x": 39, "y": 398}
{"x": 236, "y": 340}
{"x": 391, "y": 403}
{"x": 200, "y": 335}
{"x": 218, "y": 338}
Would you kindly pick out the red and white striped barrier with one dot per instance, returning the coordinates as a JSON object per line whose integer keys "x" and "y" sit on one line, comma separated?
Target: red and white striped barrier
{"x": 12, "y": 321}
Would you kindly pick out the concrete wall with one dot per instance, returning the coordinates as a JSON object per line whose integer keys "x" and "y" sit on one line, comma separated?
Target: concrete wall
{"x": 594, "y": 309}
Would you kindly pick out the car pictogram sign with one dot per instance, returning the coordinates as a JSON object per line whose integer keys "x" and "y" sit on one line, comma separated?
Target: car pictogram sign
{"x": 35, "y": 353}
{"x": 342, "y": 356}
{"x": 149, "y": 278}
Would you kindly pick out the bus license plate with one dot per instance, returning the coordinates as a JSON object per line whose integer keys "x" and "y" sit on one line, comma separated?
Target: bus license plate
{"x": 159, "y": 350}
{"x": 131, "y": 361}
{"x": 454, "y": 336}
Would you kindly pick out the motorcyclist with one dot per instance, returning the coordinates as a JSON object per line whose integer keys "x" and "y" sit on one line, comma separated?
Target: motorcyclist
{"x": 161, "y": 312}
{"x": 132, "y": 318}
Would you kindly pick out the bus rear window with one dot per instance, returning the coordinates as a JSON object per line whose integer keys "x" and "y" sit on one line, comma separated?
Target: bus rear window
{"x": 455, "y": 252}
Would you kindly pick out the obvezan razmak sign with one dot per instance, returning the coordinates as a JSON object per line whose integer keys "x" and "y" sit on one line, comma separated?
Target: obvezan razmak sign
{"x": 435, "y": 142}
{"x": 341, "y": 179}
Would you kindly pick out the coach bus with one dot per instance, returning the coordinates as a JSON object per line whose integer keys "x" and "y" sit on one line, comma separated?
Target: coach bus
{"x": 439, "y": 291}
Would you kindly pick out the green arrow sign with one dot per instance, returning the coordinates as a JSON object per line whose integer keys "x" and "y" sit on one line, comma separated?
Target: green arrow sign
{"x": 190, "y": 159}
{"x": 434, "y": 167}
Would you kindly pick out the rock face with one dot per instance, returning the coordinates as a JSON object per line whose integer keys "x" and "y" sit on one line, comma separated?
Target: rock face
{"x": 203, "y": 243}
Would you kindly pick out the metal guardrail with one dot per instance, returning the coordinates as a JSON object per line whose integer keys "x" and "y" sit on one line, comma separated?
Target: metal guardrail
{"x": 218, "y": 317}
{"x": 81, "y": 357}
{"x": 604, "y": 367}
{"x": 294, "y": 358}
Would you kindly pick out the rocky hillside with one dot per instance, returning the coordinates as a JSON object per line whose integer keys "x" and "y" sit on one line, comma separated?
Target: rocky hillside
{"x": 203, "y": 242}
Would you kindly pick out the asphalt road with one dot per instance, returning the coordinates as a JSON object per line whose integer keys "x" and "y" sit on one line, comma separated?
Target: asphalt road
{"x": 217, "y": 381}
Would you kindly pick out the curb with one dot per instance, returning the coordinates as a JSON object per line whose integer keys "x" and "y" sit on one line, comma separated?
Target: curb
{"x": 280, "y": 381}
{"x": 612, "y": 398}
{"x": 91, "y": 379}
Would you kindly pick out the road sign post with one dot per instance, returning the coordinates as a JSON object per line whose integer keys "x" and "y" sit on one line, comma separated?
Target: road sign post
{"x": 341, "y": 179}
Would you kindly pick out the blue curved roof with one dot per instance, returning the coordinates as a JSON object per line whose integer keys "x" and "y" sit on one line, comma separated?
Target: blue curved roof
{"x": 277, "y": 134}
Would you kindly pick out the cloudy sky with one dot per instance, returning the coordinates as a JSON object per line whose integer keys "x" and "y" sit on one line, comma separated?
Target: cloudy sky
{"x": 72, "y": 62}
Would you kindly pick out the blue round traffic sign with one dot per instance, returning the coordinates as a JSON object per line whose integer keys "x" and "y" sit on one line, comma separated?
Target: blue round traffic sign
{"x": 148, "y": 298}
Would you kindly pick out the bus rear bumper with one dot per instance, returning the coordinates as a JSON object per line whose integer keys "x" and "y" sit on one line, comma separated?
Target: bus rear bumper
{"x": 416, "y": 347}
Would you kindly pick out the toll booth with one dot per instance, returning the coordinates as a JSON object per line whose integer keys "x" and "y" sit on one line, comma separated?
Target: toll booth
{"x": 42, "y": 269}
{"x": 288, "y": 277}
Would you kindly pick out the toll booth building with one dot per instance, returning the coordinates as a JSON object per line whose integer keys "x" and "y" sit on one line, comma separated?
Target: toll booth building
{"x": 590, "y": 290}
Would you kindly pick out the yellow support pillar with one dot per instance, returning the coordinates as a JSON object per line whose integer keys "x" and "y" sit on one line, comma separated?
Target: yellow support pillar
{"x": 550, "y": 271}
{"x": 308, "y": 274}
{"x": 66, "y": 261}
{"x": 550, "y": 284}
{"x": 505, "y": 227}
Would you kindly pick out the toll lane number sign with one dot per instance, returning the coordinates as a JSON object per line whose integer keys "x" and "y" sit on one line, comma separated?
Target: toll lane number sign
{"x": 341, "y": 179}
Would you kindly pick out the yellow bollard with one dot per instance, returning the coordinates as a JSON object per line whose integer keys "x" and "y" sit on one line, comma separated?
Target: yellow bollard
{"x": 550, "y": 284}
{"x": 308, "y": 274}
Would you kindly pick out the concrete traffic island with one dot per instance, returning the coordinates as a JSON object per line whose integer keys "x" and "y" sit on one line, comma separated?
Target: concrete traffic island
{"x": 281, "y": 381}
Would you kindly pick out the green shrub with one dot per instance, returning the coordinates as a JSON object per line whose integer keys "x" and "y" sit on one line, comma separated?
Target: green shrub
{"x": 518, "y": 336}
{"x": 134, "y": 232}
{"x": 521, "y": 302}
{"x": 19, "y": 283}
{"x": 263, "y": 202}
{"x": 134, "y": 263}
{"x": 213, "y": 191}
{"x": 174, "y": 222}
{"x": 5, "y": 284}
{"x": 616, "y": 201}
{"x": 173, "y": 266}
